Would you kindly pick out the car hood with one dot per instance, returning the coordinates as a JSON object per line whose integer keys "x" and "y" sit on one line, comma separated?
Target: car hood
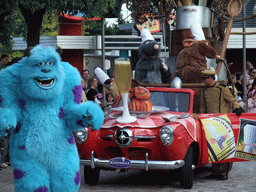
{"x": 151, "y": 121}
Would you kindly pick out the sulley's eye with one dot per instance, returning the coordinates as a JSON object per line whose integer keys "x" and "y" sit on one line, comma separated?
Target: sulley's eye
{"x": 40, "y": 64}
{"x": 49, "y": 63}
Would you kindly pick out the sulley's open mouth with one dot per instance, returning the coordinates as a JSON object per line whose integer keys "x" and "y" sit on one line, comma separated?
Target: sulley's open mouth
{"x": 45, "y": 83}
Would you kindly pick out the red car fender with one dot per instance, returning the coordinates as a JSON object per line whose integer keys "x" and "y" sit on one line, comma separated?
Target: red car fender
{"x": 182, "y": 140}
{"x": 84, "y": 150}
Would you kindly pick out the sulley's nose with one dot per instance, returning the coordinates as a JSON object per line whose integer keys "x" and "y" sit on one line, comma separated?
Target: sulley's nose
{"x": 46, "y": 70}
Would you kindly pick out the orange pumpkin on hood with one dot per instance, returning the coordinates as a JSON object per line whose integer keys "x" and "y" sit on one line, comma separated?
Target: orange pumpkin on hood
{"x": 139, "y": 100}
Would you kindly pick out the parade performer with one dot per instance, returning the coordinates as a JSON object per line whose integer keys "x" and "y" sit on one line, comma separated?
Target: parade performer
{"x": 150, "y": 68}
{"x": 40, "y": 97}
{"x": 106, "y": 81}
{"x": 217, "y": 98}
{"x": 193, "y": 58}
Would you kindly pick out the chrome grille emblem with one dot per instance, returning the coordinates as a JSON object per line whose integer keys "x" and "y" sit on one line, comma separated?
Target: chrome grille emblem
{"x": 123, "y": 137}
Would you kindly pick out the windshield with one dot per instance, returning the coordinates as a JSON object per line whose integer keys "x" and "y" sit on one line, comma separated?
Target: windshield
{"x": 175, "y": 101}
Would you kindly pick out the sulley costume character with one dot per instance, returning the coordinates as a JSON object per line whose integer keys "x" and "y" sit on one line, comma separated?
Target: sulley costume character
{"x": 40, "y": 97}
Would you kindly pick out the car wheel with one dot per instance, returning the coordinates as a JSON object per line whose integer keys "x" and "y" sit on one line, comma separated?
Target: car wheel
{"x": 187, "y": 170}
{"x": 91, "y": 176}
{"x": 230, "y": 166}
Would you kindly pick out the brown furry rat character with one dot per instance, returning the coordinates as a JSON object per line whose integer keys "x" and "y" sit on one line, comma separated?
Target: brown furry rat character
{"x": 191, "y": 60}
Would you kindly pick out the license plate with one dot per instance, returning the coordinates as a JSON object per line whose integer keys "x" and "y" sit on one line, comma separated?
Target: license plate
{"x": 120, "y": 162}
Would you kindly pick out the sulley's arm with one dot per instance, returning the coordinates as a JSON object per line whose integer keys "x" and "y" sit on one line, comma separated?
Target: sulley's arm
{"x": 78, "y": 115}
{"x": 7, "y": 121}
{"x": 9, "y": 109}
{"x": 87, "y": 114}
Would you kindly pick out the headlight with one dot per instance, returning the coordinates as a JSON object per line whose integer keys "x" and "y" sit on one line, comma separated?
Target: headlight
{"x": 81, "y": 135}
{"x": 166, "y": 135}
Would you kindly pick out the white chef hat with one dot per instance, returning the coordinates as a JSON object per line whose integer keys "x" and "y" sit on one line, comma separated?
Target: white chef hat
{"x": 197, "y": 31}
{"x": 101, "y": 75}
{"x": 146, "y": 35}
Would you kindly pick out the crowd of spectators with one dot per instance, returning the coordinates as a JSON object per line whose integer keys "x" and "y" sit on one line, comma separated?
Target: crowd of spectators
{"x": 93, "y": 90}
{"x": 237, "y": 80}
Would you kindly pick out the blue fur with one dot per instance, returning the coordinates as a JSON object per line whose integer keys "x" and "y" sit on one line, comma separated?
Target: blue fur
{"x": 42, "y": 147}
{"x": 7, "y": 121}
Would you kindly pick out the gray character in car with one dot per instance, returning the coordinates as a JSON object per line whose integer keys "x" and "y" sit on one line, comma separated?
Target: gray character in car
{"x": 150, "y": 68}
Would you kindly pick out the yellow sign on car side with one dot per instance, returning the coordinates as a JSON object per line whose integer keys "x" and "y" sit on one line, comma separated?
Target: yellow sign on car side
{"x": 220, "y": 138}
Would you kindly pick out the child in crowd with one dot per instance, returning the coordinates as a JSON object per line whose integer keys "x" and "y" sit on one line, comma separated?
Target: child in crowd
{"x": 91, "y": 95}
{"x": 110, "y": 99}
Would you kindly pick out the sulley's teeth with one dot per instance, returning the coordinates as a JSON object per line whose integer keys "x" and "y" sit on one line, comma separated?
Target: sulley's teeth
{"x": 43, "y": 83}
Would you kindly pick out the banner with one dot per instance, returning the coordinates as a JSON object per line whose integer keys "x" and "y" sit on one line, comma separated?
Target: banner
{"x": 220, "y": 138}
{"x": 153, "y": 26}
{"x": 246, "y": 143}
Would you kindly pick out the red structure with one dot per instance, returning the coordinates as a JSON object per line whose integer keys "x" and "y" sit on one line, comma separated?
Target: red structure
{"x": 72, "y": 26}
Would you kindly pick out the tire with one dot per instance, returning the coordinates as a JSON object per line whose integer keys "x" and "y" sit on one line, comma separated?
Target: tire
{"x": 91, "y": 176}
{"x": 230, "y": 166}
{"x": 186, "y": 171}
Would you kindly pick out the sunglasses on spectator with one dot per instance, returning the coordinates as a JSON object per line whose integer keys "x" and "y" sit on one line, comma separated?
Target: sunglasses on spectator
{"x": 204, "y": 78}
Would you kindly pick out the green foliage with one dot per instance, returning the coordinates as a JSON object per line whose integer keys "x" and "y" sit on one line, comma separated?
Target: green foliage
{"x": 50, "y": 25}
{"x": 157, "y": 8}
{"x": 15, "y": 56}
{"x": 6, "y": 7}
{"x": 12, "y": 23}
{"x": 94, "y": 27}
{"x": 9, "y": 12}
{"x": 17, "y": 28}
{"x": 5, "y": 37}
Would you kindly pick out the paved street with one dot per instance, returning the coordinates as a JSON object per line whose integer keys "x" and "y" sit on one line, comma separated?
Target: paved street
{"x": 242, "y": 179}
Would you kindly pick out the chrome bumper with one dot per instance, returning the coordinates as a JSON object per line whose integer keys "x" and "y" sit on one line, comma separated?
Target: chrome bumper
{"x": 135, "y": 164}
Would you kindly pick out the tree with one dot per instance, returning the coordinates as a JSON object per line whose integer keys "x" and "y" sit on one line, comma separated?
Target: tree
{"x": 17, "y": 28}
{"x": 94, "y": 27}
{"x": 163, "y": 8}
{"x": 157, "y": 8}
{"x": 5, "y": 21}
{"x": 33, "y": 12}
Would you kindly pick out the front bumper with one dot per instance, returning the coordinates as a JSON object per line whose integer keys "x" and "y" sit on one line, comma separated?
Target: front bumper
{"x": 134, "y": 164}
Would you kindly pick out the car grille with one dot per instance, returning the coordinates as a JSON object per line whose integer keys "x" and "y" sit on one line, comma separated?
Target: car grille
{"x": 133, "y": 153}
{"x": 111, "y": 152}
{"x": 138, "y": 153}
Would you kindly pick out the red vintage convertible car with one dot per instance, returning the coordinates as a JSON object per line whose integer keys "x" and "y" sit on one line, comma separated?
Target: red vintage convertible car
{"x": 171, "y": 136}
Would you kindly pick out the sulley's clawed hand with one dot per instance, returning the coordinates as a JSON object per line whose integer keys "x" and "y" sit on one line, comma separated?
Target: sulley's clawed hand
{"x": 91, "y": 115}
{"x": 7, "y": 121}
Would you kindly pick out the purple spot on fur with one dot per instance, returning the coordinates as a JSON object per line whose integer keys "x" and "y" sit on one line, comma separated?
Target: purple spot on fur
{"x": 41, "y": 189}
{"x": 61, "y": 114}
{"x": 22, "y": 147}
{"x": 1, "y": 100}
{"x": 77, "y": 91}
{"x": 78, "y": 178}
{"x": 17, "y": 129}
{"x": 18, "y": 174}
{"x": 80, "y": 122}
{"x": 71, "y": 140}
{"x": 22, "y": 104}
